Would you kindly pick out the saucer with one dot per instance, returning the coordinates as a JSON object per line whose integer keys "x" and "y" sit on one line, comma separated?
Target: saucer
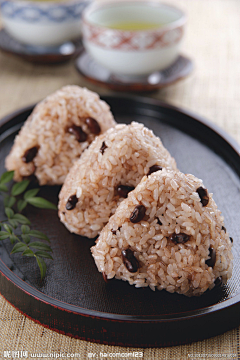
{"x": 40, "y": 54}
{"x": 99, "y": 75}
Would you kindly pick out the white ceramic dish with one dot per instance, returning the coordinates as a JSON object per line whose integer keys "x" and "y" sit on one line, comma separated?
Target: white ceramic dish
{"x": 133, "y": 52}
{"x": 42, "y": 23}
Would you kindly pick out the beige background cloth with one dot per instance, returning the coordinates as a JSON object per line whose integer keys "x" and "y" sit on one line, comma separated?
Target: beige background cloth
{"x": 212, "y": 90}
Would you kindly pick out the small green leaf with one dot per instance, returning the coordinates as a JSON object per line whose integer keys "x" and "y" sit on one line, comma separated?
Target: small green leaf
{"x": 21, "y": 219}
{"x": 26, "y": 238}
{"x": 3, "y": 187}
{"x": 13, "y": 223}
{"x": 31, "y": 193}
{"x": 38, "y": 234}
{"x": 9, "y": 212}
{"x": 42, "y": 266}
{"x": 25, "y": 229}
{"x": 13, "y": 238}
{"x": 43, "y": 254}
{"x": 6, "y": 200}
{"x": 19, "y": 247}
{"x": 21, "y": 204}
{"x": 40, "y": 246}
{"x": 20, "y": 187}
{"x": 6, "y": 177}
{"x": 4, "y": 235}
{"x": 41, "y": 203}
{"x": 9, "y": 201}
{"x": 28, "y": 252}
{"x": 7, "y": 228}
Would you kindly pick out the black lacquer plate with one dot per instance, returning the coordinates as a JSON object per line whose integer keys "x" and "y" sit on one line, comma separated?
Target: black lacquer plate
{"x": 74, "y": 299}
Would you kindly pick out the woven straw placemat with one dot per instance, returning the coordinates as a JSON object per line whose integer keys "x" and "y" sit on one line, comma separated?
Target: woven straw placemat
{"x": 212, "y": 90}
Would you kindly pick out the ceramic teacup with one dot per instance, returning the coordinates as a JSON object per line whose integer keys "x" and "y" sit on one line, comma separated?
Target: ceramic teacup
{"x": 44, "y": 23}
{"x": 133, "y": 37}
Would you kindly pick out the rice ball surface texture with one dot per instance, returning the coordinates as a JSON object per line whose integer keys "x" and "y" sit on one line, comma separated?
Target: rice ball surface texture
{"x": 168, "y": 234}
{"x": 106, "y": 172}
{"x": 57, "y": 132}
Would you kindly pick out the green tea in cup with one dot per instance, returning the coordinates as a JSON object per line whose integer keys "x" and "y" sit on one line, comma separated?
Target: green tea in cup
{"x": 133, "y": 25}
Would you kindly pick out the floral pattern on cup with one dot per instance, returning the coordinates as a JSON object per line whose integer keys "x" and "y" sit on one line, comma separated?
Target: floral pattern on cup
{"x": 131, "y": 40}
{"x": 41, "y": 11}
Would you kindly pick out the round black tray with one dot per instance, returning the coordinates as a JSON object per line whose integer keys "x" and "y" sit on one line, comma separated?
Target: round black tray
{"x": 74, "y": 300}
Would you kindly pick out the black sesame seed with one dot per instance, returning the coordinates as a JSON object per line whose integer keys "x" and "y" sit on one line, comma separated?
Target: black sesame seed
{"x": 30, "y": 154}
{"x": 203, "y": 194}
{"x": 224, "y": 229}
{"x": 159, "y": 222}
{"x": 231, "y": 239}
{"x": 123, "y": 190}
{"x": 71, "y": 203}
{"x": 138, "y": 214}
{"x": 211, "y": 262}
{"x": 179, "y": 238}
{"x": 93, "y": 125}
{"x": 129, "y": 260}
{"x": 79, "y": 134}
{"x": 154, "y": 168}
{"x": 103, "y": 147}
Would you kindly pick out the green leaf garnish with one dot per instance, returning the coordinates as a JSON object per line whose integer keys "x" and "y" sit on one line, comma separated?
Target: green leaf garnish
{"x": 14, "y": 220}
{"x": 42, "y": 266}
{"x": 4, "y": 235}
{"x": 25, "y": 229}
{"x": 9, "y": 212}
{"x": 13, "y": 223}
{"x": 3, "y": 188}
{"x": 8, "y": 228}
{"x": 44, "y": 254}
{"x": 26, "y": 238}
{"x": 41, "y": 203}
{"x": 28, "y": 252}
{"x": 9, "y": 201}
{"x": 40, "y": 246}
{"x": 38, "y": 234}
{"x": 21, "y": 219}
{"x": 13, "y": 238}
{"x": 6, "y": 177}
{"x": 19, "y": 247}
{"x": 20, "y": 187}
{"x": 21, "y": 204}
{"x": 30, "y": 193}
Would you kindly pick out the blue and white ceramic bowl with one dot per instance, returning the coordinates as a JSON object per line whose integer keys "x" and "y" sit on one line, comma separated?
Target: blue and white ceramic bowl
{"x": 44, "y": 23}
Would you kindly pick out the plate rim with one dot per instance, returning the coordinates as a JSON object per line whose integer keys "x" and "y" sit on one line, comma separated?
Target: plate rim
{"x": 156, "y": 102}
